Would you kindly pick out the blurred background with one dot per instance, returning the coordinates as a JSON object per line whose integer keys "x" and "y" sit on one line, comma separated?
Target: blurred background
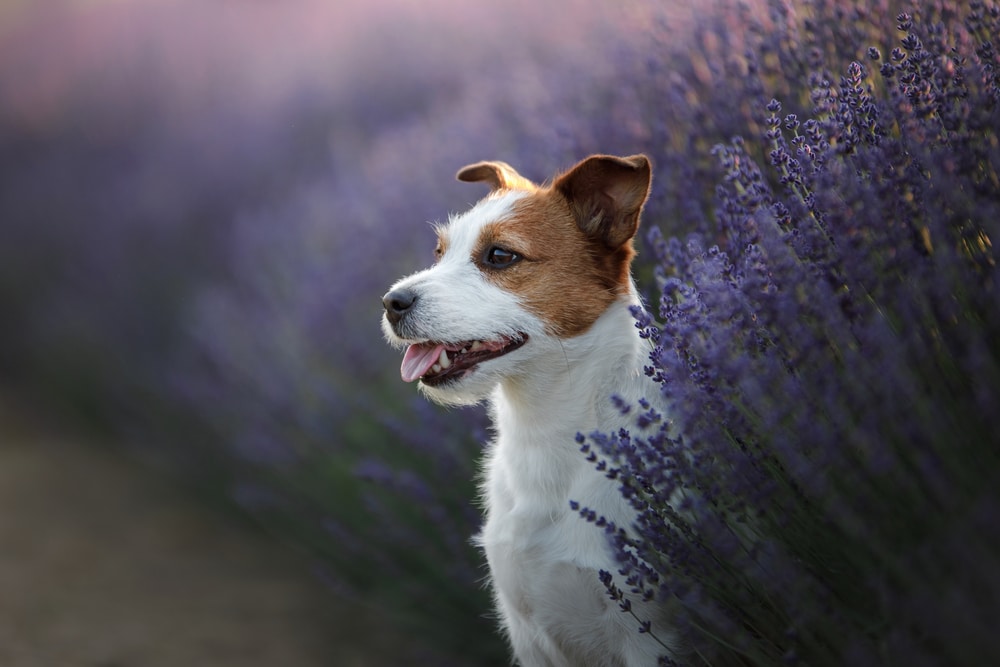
{"x": 201, "y": 204}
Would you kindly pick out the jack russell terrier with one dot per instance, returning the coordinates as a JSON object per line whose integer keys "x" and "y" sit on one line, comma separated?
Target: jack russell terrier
{"x": 528, "y": 308}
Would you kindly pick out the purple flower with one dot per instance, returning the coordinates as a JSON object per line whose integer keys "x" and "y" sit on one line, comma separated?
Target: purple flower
{"x": 817, "y": 364}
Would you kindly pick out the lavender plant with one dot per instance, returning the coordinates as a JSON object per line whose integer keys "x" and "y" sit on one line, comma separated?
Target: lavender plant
{"x": 821, "y": 489}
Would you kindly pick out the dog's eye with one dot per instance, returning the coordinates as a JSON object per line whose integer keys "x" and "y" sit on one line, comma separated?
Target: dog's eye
{"x": 499, "y": 258}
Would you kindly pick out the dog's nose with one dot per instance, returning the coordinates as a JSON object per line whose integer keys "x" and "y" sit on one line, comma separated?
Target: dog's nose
{"x": 397, "y": 303}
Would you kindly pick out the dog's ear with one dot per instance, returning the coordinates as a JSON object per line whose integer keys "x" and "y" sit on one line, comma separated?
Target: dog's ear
{"x": 500, "y": 176}
{"x": 606, "y": 194}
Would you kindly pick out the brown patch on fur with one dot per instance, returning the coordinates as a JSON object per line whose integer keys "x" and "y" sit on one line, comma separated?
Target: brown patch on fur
{"x": 574, "y": 237}
{"x": 606, "y": 194}
{"x": 442, "y": 242}
{"x": 442, "y": 246}
{"x": 565, "y": 277}
{"x": 499, "y": 176}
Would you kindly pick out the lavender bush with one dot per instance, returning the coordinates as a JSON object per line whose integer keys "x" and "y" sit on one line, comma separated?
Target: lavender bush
{"x": 197, "y": 260}
{"x": 822, "y": 488}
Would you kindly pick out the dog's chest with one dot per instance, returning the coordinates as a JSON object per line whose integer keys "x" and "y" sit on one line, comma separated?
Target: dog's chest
{"x": 540, "y": 551}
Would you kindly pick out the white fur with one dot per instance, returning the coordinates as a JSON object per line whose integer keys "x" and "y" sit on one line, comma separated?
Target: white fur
{"x": 457, "y": 303}
{"x": 543, "y": 557}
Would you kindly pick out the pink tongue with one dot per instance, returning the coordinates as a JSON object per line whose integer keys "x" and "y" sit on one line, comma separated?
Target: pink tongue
{"x": 418, "y": 360}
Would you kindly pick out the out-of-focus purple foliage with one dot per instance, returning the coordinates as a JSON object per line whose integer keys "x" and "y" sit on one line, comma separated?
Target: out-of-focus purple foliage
{"x": 200, "y": 206}
{"x": 822, "y": 489}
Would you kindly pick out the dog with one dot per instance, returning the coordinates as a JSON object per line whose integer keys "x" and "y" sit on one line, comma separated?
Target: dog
{"x": 528, "y": 308}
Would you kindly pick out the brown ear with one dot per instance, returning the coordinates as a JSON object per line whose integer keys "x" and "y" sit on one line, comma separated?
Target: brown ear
{"x": 606, "y": 195}
{"x": 500, "y": 176}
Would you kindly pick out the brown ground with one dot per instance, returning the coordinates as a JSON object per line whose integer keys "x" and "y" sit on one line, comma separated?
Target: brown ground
{"x": 104, "y": 564}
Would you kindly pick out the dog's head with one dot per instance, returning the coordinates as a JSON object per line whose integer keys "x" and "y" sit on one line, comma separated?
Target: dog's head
{"x": 525, "y": 269}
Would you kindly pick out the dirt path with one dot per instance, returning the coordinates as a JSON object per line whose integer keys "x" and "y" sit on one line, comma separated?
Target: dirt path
{"x": 103, "y": 564}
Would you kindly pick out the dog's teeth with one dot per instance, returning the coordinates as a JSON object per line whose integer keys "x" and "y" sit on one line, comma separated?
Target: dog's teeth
{"x": 436, "y": 368}
{"x": 443, "y": 360}
{"x": 477, "y": 345}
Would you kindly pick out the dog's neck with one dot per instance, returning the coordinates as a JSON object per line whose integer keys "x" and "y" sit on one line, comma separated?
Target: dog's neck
{"x": 570, "y": 390}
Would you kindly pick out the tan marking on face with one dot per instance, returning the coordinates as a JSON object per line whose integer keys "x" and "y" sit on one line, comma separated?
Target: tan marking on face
{"x": 565, "y": 278}
{"x": 442, "y": 242}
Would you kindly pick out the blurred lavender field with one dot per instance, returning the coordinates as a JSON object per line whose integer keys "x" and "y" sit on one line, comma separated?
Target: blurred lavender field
{"x": 201, "y": 207}
{"x": 202, "y": 203}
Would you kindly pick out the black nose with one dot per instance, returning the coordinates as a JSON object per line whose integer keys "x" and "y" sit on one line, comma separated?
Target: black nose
{"x": 397, "y": 303}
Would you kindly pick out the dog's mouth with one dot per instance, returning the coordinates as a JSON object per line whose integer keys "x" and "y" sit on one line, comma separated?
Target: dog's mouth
{"x": 436, "y": 363}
